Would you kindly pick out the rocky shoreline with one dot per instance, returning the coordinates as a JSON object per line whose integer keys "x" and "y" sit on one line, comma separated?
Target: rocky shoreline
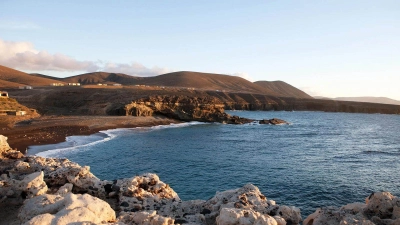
{"x": 58, "y": 191}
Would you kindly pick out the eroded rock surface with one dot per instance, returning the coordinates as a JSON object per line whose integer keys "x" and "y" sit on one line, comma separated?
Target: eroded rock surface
{"x": 6, "y": 152}
{"x": 381, "y": 208}
{"x": 71, "y": 208}
{"x": 203, "y": 109}
{"x": 273, "y": 121}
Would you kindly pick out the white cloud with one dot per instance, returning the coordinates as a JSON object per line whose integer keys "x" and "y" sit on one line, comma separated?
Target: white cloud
{"x": 23, "y": 55}
{"x": 243, "y": 75}
{"x": 134, "y": 68}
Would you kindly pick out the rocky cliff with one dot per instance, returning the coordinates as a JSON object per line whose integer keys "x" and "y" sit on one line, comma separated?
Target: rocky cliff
{"x": 58, "y": 191}
{"x": 203, "y": 109}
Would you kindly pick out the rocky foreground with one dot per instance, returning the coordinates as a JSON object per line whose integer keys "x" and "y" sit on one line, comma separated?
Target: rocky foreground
{"x": 58, "y": 191}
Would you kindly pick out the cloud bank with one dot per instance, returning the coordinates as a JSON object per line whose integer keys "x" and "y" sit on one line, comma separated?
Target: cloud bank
{"x": 23, "y": 55}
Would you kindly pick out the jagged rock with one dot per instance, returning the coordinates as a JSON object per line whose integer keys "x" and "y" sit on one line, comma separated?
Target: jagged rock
{"x": 31, "y": 185}
{"x": 144, "y": 218}
{"x": 249, "y": 197}
{"x": 380, "y": 204}
{"x": 381, "y": 208}
{"x": 144, "y": 192}
{"x": 207, "y": 109}
{"x": 56, "y": 209}
{"x": 273, "y": 121}
{"x": 233, "y": 216}
{"x": 6, "y": 151}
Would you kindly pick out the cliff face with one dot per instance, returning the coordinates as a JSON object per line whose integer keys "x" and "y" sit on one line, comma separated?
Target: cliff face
{"x": 95, "y": 101}
{"x": 183, "y": 108}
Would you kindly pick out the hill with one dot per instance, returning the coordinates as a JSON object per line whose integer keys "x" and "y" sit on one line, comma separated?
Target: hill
{"x": 381, "y": 100}
{"x": 205, "y": 81}
{"x": 21, "y": 78}
{"x": 283, "y": 89}
{"x": 183, "y": 79}
{"x": 102, "y": 77}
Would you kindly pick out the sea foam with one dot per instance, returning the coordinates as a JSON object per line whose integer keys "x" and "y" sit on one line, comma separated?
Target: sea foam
{"x": 78, "y": 143}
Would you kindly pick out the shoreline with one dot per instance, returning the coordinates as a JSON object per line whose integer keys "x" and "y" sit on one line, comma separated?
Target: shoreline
{"x": 54, "y": 129}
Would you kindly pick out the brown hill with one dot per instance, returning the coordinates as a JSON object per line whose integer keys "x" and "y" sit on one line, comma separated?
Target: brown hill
{"x": 18, "y": 77}
{"x": 283, "y": 89}
{"x": 381, "y": 100}
{"x": 8, "y": 84}
{"x": 205, "y": 81}
{"x": 102, "y": 77}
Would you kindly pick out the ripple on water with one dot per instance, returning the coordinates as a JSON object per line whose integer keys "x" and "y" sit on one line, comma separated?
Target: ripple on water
{"x": 321, "y": 159}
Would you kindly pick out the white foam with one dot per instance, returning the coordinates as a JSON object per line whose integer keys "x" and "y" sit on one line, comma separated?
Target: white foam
{"x": 74, "y": 143}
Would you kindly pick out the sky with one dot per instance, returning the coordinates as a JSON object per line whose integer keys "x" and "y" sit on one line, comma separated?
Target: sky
{"x": 336, "y": 48}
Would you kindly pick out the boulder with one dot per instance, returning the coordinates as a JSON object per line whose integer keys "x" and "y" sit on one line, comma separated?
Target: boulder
{"x": 273, "y": 121}
{"x": 6, "y": 151}
{"x": 144, "y": 218}
{"x": 380, "y": 208}
{"x": 30, "y": 186}
{"x": 68, "y": 209}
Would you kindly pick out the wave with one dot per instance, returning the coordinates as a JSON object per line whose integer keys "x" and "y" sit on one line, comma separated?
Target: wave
{"x": 73, "y": 143}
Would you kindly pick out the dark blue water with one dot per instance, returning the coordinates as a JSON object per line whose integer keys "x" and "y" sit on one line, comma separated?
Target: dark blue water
{"x": 320, "y": 159}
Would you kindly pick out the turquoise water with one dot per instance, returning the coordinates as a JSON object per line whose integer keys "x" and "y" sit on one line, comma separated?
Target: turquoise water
{"x": 320, "y": 159}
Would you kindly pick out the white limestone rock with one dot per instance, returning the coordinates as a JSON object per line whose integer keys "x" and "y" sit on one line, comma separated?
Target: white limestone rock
{"x": 233, "y": 216}
{"x": 6, "y": 151}
{"x": 31, "y": 185}
{"x": 380, "y": 208}
{"x": 145, "y": 192}
{"x": 59, "y": 210}
{"x": 144, "y": 218}
{"x": 380, "y": 204}
{"x": 65, "y": 189}
{"x": 4, "y": 147}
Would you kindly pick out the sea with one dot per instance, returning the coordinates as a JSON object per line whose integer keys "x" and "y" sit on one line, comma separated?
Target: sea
{"x": 319, "y": 159}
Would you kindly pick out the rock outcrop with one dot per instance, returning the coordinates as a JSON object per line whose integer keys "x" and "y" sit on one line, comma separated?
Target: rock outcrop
{"x": 381, "y": 208}
{"x": 6, "y": 151}
{"x": 58, "y": 191}
{"x": 273, "y": 121}
{"x": 207, "y": 109}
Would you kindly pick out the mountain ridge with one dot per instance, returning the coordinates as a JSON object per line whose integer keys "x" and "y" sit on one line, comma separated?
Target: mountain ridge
{"x": 180, "y": 79}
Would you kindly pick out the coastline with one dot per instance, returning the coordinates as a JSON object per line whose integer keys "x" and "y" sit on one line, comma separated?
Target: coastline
{"x": 54, "y": 129}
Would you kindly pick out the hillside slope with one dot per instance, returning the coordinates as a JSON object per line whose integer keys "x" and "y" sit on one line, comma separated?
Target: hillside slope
{"x": 102, "y": 77}
{"x": 381, "y": 100}
{"x": 205, "y": 81}
{"x": 283, "y": 89}
{"x": 18, "y": 77}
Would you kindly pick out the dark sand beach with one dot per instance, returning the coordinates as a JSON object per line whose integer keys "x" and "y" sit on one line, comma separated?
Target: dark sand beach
{"x": 54, "y": 129}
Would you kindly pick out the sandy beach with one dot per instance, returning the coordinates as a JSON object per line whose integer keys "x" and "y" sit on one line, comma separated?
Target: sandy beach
{"x": 54, "y": 129}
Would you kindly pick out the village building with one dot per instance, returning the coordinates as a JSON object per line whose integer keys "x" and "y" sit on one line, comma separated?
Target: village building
{"x": 74, "y": 84}
{"x": 3, "y": 94}
{"x": 56, "y": 84}
{"x": 25, "y": 87}
{"x": 12, "y": 113}
{"x": 117, "y": 84}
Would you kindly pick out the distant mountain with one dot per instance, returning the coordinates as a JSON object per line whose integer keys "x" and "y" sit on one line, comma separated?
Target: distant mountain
{"x": 206, "y": 81}
{"x": 18, "y": 78}
{"x": 283, "y": 89}
{"x": 103, "y": 78}
{"x": 381, "y": 100}
{"x": 183, "y": 79}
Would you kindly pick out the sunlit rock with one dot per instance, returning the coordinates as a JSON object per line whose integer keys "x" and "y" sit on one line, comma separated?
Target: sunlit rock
{"x": 56, "y": 209}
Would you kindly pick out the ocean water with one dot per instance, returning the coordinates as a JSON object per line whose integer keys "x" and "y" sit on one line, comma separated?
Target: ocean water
{"x": 320, "y": 159}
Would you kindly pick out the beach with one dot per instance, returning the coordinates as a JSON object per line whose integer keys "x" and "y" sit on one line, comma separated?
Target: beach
{"x": 54, "y": 129}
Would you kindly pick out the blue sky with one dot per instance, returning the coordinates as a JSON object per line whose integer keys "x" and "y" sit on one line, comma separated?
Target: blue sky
{"x": 328, "y": 48}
